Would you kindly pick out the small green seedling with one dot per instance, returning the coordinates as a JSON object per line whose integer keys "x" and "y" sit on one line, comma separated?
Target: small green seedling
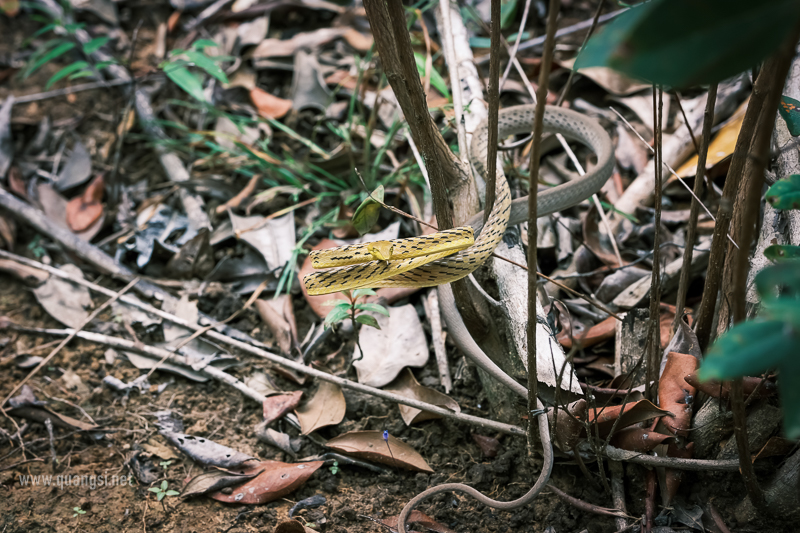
{"x": 162, "y": 491}
{"x": 78, "y": 511}
{"x": 355, "y": 312}
{"x": 165, "y": 465}
{"x": 334, "y": 468}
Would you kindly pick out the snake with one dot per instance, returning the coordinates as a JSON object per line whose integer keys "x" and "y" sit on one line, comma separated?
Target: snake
{"x": 404, "y": 263}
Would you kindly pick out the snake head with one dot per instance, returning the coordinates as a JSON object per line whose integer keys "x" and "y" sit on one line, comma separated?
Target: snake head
{"x": 381, "y": 250}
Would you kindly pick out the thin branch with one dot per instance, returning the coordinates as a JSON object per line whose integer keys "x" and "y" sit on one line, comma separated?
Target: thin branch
{"x": 494, "y": 108}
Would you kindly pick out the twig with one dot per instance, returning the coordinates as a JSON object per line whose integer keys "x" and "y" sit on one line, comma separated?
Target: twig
{"x": 572, "y": 29}
{"x": 691, "y": 231}
{"x": 275, "y": 359}
{"x": 618, "y": 492}
{"x": 585, "y": 506}
{"x": 113, "y": 298}
{"x": 206, "y": 14}
{"x": 494, "y": 108}
{"x": 513, "y": 53}
{"x": 53, "y": 457}
{"x": 533, "y": 207}
{"x": 653, "y": 345}
{"x": 431, "y": 304}
{"x": 727, "y": 465}
{"x": 571, "y": 76}
{"x": 70, "y": 90}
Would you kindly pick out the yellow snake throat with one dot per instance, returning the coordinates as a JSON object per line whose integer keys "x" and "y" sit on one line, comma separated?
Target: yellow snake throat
{"x": 450, "y": 265}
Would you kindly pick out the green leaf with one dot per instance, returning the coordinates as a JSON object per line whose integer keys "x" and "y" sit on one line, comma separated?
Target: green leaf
{"x": 172, "y": 493}
{"x": 777, "y": 252}
{"x": 790, "y": 112}
{"x": 66, "y": 71}
{"x": 336, "y": 303}
{"x": 160, "y": 496}
{"x": 786, "y": 310}
{"x": 375, "y": 308}
{"x": 748, "y": 348}
{"x": 95, "y": 44}
{"x": 206, "y": 63}
{"x": 62, "y": 48}
{"x": 358, "y": 293}
{"x": 783, "y": 277}
{"x": 368, "y": 320}
{"x": 368, "y": 212}
{"x": 681, "y": 43}
{"x": 785, "y": 194}
{"x": 508, "y": 10}
{"x": 335, "y": 316}
{"x": 154, "y": 489}
{"x": 185, "y": 80}
{"x": 201, "y": 44}
{"x": 436, "y": 79}
{"x": 164, "y": 485}
{"x": 82, "y": 74}
{"x": 789, "y": 391}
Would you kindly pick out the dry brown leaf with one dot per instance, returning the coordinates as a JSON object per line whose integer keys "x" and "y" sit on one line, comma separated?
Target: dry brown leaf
{"x": 275, "y": 481}
{"x": 716, "y": 389}
{"x": 675, "y": 395}
{"x": 280, "y": 404}
{"x": 610, "y": 80}
{"x": 292, "y": 526}
{"x": 288, "y": 47}
{"x": 273, "y": 312}
{"x": 358, "y": 40}
{"x": 370, "y": 445}
{"x": 489, "y": 446}
{"x": 775, "y": 446}
{"x": 591, "y": 235}
{"x": 8, "y": 232}
{"x": 85, "y": 210}
{"x": 569, "y": 429}
{"x": 407, "y": 385}
{"x": 419, "y": 518}
{"x": 638, "y": 439}
{"x": 17, "y": 183}
{"x": 596, "y": 334}
{"x": 325, "y": 408}
{"x": 720, "y": 148}
{"x": 269, "y": 106}
{"x": 673, "y": 476}
{"x": 213, "y": 481}
{"x": 632, "y": 414}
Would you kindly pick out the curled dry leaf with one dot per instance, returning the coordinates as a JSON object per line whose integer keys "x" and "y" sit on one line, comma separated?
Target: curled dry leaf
{"x": 370, "y": 445}
{"x": 674, "y": 476}
{"x": 407, "y": 385}
{"x": 325, "y": 408}
{"x": 633, "y": 413}
{"x": 666, "y": 319}
{"x": 278, "y": 315}
{"x": 55, "y": 207}
{"x": 269, "y": 106}
{"x": 591, "y": 236}
{"x": 638, "y": 439}
{"x": 722, "y": 390}
{"x": 420, "y": 519}
{"x": 85, "y": 210}
{"x": 280, "y": 404}
{"x": 569, "y": 430}
{"x": 675, "y": 395}
{"x": 276, "y": 480}
{"x": 206, "y": 451}
{"x": 282, "y": 441}
{"x": 720, "y": 147}
{"x": 214, "y": 481}
{"x": 195, "y": 258}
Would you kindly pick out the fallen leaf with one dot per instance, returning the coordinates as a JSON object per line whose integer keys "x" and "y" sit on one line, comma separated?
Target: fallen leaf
{"x": 269, "y": 106}
{"x": 673, "y": 476}
{"x": 206, "y": 451}
{"x": 775, "y": 447}
{"x": 195, "y": 258}
{"x": 420, "y": 519}
{"x": 632, "y": 414}
{"x": 76, "y": 170}
{"x": 489, "y": 446}
{"x": 308, "y": 87}
{"x": 370, "y": 445}
{"x": 279, "y": 440}
{"x": 591, "y": 235}
{"x": 399, "y": 343}
{"x": 666, "y": 319}
{"x": 280, "y": 404}
{"x": 715, "y": 389}
{"x": 325, "y": 408}
{"x": 288, "y": 47}
{"x": 638, "y": 439}
{"x": 358, "y": 40}
{"x": 609, "y": 79}
{"x": 595, "y": 335}
{"x": 65, "y": 301}
{"x": 272, "y": 238}
{"x": 675, "y": 395}
{"x": 8, "y": 232}
{"x": 271, "y": 312}
{"x": 55, "y": 207}
{"x": 568, "y": 427}
{"x": 406, "y": 385}
{"x": 213, "y": 481}
{"x": 153, "y": 447}
{"x": 292, "y": 526}
{"x": 275, "y": 481}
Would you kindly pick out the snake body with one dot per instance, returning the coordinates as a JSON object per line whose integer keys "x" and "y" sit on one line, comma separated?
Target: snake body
{"x": 448, "y": 264}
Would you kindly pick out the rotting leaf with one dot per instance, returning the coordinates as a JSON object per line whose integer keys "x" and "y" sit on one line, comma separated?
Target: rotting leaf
{"x": 489, "y": 446}
{"x": 370, "y": 445}
{"x": 272, "y": 238}
{"x": 598, "y": 333}
{"x": 55, "y": 207}
{"x": 206, "y": 451}
{"x": 790, "y": 113}
{"x": 407, "y": 385}
{"x": 65, "y": 301}
{"x": 77, "y": 169}
{"x": 85, "y": 210}
{"x": 762, "y": 387}
{"x": 569, "y": 429}
{"x": 325, "y": 408}
{"x": 271, "y": 312}
{"x": 213, "y": 481}
{"x": 279, "y": 440}
{"x": 276, "y": 480}
{"x": 195, "y": 258}
{"x": 280, "y": 404}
